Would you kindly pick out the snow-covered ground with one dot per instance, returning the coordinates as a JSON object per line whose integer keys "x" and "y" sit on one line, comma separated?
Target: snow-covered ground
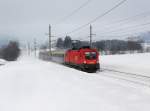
{"x": 2, "y": 62}
{"x": 30, "y": 84}
{"x": 135, "y": 63}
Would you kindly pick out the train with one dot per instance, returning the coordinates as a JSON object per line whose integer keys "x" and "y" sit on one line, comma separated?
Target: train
{"x": 84, "y": 58}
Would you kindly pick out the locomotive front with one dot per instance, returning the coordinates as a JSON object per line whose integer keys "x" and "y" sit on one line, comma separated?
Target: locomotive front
{"x": 90, "y": 60}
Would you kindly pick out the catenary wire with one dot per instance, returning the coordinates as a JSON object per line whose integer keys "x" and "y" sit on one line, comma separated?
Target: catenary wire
{"x": 75, "y": 11}
{"x": 98, "y": 17}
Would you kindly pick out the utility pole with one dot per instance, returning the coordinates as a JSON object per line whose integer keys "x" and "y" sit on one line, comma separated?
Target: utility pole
{"x": 35, "y": 47}
{"x": 28, "y": 49}
{"x": 50, "y": 36}
{"x": 90, "y": 36}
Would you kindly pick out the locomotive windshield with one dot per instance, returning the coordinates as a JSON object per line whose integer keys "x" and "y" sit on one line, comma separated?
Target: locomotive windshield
{"x": 90, "y": 55}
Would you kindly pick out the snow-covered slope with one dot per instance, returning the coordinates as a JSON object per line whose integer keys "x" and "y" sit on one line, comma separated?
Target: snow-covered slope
{"x": 34, "y": 85}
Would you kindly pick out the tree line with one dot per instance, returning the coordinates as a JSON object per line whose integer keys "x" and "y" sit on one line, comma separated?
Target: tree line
{"x": 118, "y": 46}
{"x": 66, "y": 43}
{"x": 111, "y": 46}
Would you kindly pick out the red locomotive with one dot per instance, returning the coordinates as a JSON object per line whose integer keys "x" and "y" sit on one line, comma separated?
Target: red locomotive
{"x": 85, "y": 58}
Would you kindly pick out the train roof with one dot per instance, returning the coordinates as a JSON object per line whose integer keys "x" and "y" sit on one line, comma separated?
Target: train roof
{"x": 83, "y": 48}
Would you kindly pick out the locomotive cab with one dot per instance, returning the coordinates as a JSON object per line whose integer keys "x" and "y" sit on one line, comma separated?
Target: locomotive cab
{"x": 90, "y": 60}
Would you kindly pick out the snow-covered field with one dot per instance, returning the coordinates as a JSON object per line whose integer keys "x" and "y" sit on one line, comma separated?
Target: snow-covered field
{"x": 136, "y": 63}
{"x": 30, "y": 84}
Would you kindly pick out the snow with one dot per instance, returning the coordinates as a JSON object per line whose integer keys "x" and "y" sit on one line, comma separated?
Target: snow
{"x": 30, "y": 84}
{"x": 135, "y": 63}
{"x": 2, "y": 62}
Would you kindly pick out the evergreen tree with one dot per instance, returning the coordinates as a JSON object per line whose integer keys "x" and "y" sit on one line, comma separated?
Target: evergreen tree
{"x": 59, "y": 43}
{"x": 67, "y": 42}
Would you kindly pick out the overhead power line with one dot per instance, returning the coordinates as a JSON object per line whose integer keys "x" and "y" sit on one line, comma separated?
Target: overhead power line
{"x": 98, "y": 17}
{"x": 123, "y": 36}
{"x": 134, "y": 26}
{"x": 75, "y": 11}
{"x": 126, "y": 29}
{"x": 125, "y": 20}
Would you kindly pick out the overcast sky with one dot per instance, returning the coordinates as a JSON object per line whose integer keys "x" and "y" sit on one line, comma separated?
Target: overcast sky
{"x": 28, "y": 19}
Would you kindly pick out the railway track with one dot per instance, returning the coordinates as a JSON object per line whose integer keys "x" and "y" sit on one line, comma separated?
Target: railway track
{"x": 135, "y": 78}
{"x": 121, "y": 75}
